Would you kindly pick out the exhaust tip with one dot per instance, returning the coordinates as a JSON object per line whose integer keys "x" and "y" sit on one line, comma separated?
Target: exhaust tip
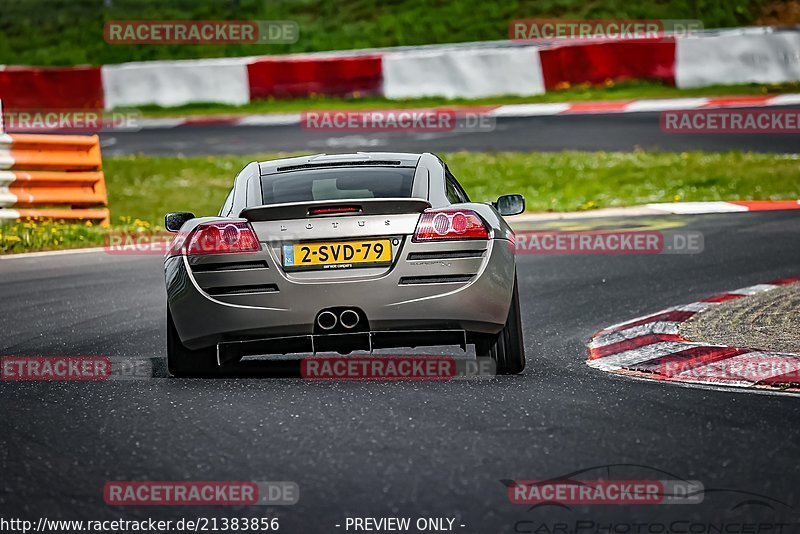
{"x": 327, "y": 320}
{"x": 349, "y": 319}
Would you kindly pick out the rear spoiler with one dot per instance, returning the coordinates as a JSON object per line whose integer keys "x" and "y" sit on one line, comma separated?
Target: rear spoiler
{"x": 354, "y": 206}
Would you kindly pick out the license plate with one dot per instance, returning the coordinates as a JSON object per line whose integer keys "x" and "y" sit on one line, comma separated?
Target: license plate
{"x": 337, "y": 255}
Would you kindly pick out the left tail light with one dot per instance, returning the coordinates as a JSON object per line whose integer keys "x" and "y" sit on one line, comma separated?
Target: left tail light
{"x": 444, "y": 225}
{"x": 218, "y": 238}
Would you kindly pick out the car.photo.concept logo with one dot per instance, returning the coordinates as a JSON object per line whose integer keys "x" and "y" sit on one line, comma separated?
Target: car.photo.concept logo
{"x": 601, "y": 499}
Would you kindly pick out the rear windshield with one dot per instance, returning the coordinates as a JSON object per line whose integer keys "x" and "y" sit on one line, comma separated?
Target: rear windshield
{"x": 335, "y": 184}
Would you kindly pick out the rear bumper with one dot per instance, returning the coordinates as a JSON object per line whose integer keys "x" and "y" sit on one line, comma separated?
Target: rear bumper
{"x": 397, "y": 300}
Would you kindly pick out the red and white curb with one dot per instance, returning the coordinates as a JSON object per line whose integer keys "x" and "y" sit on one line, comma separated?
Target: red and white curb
{"x": 666, "y": 208}
{"x": 645, "y": 105}
{"x": 510, "y": 110}
{"x": 650, "y": 347}
{"x": 733, "y": 206}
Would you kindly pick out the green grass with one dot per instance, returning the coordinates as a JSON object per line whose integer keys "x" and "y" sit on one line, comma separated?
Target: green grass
{"x": 583, "y": 92}
{"x": 33, "y": 235}
{"x": 142, "y": 189}
{"x": 69, "y": 32}
{"x": 147, "y": 187}
{"x": 571, "y": 181}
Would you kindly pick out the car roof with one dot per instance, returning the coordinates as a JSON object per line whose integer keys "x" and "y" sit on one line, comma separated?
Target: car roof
{"x": 357, "y": 159}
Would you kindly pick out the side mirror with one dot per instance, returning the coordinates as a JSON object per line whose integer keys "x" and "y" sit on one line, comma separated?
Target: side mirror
{"x": 511, "y": 204}
{"x": 174, "y": 221}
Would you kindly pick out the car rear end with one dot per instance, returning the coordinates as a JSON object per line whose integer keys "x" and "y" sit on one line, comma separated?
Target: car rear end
{"x": 353, "y": 272}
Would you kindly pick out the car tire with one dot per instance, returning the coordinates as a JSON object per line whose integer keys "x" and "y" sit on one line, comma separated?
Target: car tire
{"x": 507, "y": 347}
{"x": 184, "y": 362}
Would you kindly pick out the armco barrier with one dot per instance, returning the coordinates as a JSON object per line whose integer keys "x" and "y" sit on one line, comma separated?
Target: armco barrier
{"x": 641, "y": 59}
{"x": 462, "y": 73}
{"x": 333, "y": 76}
{"x": 175, "y": 83}
{"x": 51, "y": 88}
{"x": 732, "y": 59}
{"x": 52, "y": 176}
{"x": 464, "y": 70}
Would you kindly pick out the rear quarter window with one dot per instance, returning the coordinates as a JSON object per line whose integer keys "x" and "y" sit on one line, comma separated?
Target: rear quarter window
{"x": 455, "y": 193}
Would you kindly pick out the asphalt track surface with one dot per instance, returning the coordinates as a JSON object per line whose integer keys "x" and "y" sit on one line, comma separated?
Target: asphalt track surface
{"x": 620, "y": 131}
{"x": 410, "y": 449}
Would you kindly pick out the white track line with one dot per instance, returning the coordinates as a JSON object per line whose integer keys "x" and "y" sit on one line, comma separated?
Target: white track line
{"x": 529, "y": 110}
{"x": 694, "y": 208}
{"x": 51, "y": 253}
{"x": 784, "y": 100}
{"x": 752, "y": 290}
{"x": 666, "y": 105}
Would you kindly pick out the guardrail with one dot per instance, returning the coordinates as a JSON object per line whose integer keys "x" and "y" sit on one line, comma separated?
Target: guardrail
{"x": 56, "y": 177}
{"x": 494, "y": 68}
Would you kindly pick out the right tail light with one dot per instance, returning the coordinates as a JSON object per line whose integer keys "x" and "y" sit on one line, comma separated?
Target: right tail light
{"x": 449, "y": 224}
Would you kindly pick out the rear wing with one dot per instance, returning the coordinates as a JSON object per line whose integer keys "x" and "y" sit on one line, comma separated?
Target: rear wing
{"x": 354, "y": 206}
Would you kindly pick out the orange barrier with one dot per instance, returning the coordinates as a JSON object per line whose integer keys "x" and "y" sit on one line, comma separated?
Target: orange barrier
{"x": 52, "y": 176}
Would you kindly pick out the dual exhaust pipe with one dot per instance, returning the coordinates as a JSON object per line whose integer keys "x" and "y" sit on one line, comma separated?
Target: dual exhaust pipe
{"x": 327, "y": 320}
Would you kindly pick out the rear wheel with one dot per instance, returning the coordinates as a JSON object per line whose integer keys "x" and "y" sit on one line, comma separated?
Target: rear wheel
{"x": 182, "y": 361}
{"x": 506, "y": 347}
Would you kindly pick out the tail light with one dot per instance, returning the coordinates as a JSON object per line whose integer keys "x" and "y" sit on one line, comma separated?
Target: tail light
{"x": 443, "y": 225}
{"x": 333, "y": 210}
{"x": 218, "y": 238}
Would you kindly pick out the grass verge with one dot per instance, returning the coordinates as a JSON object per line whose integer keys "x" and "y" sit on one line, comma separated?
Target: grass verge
{"x": 142, "y": 188}
{"x": 70, "y": 32}
{"x": 37, "y": 234}
{"x": 578, "y": 93}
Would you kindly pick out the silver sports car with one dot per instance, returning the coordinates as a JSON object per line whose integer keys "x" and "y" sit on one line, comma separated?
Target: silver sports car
{"x": 338, "y": 253}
